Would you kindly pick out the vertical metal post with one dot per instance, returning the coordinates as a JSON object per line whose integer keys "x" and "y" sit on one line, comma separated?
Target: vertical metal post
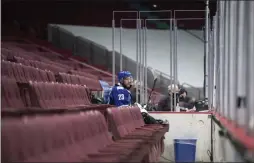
{"x": 221, "y": 50}
{"x": 210, "y": 62}
{"x": 113, "y": 52}
{"x": 145, "y": 53}
{"x": 121, "y": 52}
{"x": 215, "y": 64}
{"x": 218, "y": 61}
{"x": 171, "y": 61}
{"x": 137, "y": 61}
{"x": 206, "y": 46}
{"x": 225, "y": 65}
{"x": 143, "y": 40}
{"x": 176, "y": 53}
{"x": 249, "y": 34}
{"x": 141, "y": 60}
{"x": 241, "y": 70}
{"x": 250, "y": 65}
{"x": 175, "y": 61}
{"x": 232, "y": 61}
{"x": 143, "y": 63}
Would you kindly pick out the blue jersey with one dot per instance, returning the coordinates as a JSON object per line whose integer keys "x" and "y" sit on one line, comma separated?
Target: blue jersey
{"x": 119, "y": 96}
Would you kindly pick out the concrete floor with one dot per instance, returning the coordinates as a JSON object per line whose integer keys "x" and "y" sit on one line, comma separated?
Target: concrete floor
{"x": 165, "y": 160}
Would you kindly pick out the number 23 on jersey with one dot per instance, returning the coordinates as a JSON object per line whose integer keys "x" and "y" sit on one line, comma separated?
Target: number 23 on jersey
{"x": 121, "y": 97}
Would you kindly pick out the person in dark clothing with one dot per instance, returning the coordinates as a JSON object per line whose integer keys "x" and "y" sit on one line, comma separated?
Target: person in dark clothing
{"x": 185, "y": 101}
{"x": 165, "y": 103}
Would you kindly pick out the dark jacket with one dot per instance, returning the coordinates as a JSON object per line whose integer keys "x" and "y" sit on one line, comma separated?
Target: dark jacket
{"x": 165, "y": 103}
{"x": 186, "y": 102}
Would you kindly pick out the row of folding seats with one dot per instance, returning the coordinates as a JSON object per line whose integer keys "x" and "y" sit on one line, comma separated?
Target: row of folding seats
{"x": 14, "y": 51}
{"x": 44, "y": 95}
{"x": 65, "y": 138}
{"x": 53, "y": 64}
{"x": 10, "y": 94}
{"x": 60, "y": 95}
{"x": 92, "y": 84}
{"x": 127, "y": 123}
{"x": 38, "y": 64}
{"x": 24, "y": 73}
{"x": 80, "y": 73}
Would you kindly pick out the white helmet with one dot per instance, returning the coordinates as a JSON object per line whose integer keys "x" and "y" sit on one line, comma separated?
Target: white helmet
{"x": 173, "y": 88}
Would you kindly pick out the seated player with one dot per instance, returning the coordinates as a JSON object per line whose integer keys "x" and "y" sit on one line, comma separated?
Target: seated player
{"x": 120, "y": 94}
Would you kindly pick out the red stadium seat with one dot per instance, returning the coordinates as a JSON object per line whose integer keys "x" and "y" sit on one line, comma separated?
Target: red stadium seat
{"x": 61, "y": 96}
{"x": 67, "y": 138}
{"x": 80, "y": 73}
{"x": 24, "y": 74}
{"x": 10, "y": 95}
{"x": 123, "y": 126}
{"x": 92, "y": 84}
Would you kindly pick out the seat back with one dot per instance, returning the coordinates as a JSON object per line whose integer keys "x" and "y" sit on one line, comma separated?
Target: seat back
{"x": 119, "y": 122}
{"x": 22, "y": 73}
{"x": 85, "y": 74}
{"x": 92, "y": 84}
{"x": 58, "y": 138}
{"x": 58, "y": 95}
{"x": 137, "y": 117}
{"x": 10, "y": 94}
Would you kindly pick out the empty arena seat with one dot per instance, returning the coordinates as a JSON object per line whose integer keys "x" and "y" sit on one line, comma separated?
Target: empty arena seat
{"x": 80, "y": 73}
{"x": 24, "y": 73}
{"x": 65, "y": 138}
{"x": 64, "y": 78}
{"x": 60, "y": 96}
{"x": 41, "y": 64}
{"x": 125, "y": 123}
{"x": 10, "y": 95}
{"x": 46, "y": 66}
{"x": 92, "y": 84}
{"x": 123, "y": 118}
{"x": 6, "y": 69}
{"x": 21, "y": 60}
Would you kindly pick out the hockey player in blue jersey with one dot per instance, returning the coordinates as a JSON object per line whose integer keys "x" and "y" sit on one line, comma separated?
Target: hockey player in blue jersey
{"x": 120, "y": 94}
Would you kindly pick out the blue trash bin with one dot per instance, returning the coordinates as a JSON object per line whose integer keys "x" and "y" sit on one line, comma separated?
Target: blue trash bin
{"x": 185, "y": 150}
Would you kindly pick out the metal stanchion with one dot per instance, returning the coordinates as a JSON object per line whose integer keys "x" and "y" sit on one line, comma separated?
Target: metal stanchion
{"x": 232, "y": 61}
{"x": 206, "y": 43}
{"x": 145, "y": 54}
{"x": 207, "y": 33}
{"x": 113, "y": 43}
{"x": 175, "y": 61}
{"x": 143, "y": 51}
{"x": 140, "y": 60}
{"x": 250, "y": 59}
{"x": 137, "y": 56}
{"x": 221, "y": 49}
{"x": 171, "y": 53}
{"x": 206, "y": 46}
{"x": 217, "y": 87}
{"x": 225, "y": 58}
{"x": 171, "y": 61}
{"x": 210, "y": 71}
{"x": 121, "y": 52}
{"x": 241, "y": 59}
{"x": 137, "y": 61}
{"x": 249, "y": 34}
{"x": 113, "y": 52}
{"x": 215, "y": 64}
